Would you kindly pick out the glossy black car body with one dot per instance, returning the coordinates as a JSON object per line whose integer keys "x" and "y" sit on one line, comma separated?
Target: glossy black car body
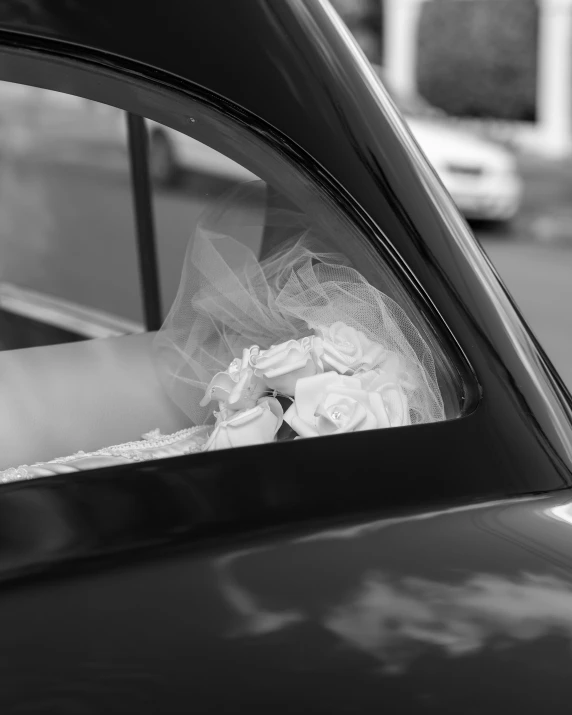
{"x": 426, "y": 570}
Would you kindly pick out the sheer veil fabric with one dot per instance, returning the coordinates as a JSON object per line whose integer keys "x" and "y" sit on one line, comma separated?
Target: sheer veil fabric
{"x": 229, "y": 300}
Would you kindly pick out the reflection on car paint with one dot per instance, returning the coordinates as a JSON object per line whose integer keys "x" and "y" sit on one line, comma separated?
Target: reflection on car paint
{"x": 395, "y": 620}
{"x": 39, "y": 529}
{"x": 563, "y": 512}
{"x": 254, "y": 619}
{"x": 358, "y": 530}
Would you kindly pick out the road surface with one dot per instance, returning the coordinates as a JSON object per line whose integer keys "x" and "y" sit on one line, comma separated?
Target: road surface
{"x": 539, "y": 277}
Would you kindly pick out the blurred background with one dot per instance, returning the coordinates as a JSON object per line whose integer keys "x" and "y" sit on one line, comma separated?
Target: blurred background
{"x": 485, "y": 85}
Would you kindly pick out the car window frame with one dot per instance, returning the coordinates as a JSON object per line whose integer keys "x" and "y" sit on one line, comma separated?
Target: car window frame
{"x": 165, "y": 102}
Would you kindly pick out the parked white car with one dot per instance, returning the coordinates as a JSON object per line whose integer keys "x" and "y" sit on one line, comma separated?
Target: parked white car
{"x": 482, "y": 177}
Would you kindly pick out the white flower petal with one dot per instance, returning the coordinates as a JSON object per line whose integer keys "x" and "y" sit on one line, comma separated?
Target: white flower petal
{"x": 378, "y": 408}
{"x": 309, "y": 392}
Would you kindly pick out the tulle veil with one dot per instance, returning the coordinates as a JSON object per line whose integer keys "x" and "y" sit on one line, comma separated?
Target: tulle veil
{"x": 230, "y": 299}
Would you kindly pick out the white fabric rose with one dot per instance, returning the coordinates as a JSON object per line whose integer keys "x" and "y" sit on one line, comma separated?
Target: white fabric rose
{"x": 389, "y": 384}
{"x": 256, "y": 425}
{"x": 329, "y": 403}
{"x": 281, "y": 366}
{"x": 390, "y": 370}
{"x": 237, "y": 386}
{"x": 345, "y": 349}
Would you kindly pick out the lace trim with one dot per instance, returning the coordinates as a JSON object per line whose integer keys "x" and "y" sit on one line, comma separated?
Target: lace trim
{"x": 141, "y": 450}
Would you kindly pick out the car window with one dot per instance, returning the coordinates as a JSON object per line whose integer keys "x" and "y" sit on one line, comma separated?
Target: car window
{"x": 282, "y": 320}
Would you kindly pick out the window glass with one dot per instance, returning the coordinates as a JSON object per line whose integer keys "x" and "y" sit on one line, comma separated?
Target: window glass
{"x": 189, "y": 178}
{"x": 67, "y": 235}
{"x": 282, "y": 321}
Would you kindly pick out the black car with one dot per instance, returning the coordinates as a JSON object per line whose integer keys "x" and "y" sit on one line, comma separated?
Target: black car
{"x": 421, "y": 568}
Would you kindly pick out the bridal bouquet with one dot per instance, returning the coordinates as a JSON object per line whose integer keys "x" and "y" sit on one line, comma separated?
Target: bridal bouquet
{"x": 298, "y": 342}
{"x": 336, "y": 379}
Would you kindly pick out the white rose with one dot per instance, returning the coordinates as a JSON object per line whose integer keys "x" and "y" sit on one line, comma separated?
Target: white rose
{"x": 391, "y": 369}
{"x": 237, "y": 385}
{"x": 256, "y": 425}
{"x": 389, "y": 384}
{"x": 329, "y": 403}
{"x": 345, "y": 349}
{"x": 281, "y": 366}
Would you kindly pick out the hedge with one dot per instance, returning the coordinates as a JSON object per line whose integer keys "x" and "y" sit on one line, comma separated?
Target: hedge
{"x": 478, "y": 57}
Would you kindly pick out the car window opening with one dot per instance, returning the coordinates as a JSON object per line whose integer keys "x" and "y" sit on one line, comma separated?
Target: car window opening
{"x": 286, "y": 323}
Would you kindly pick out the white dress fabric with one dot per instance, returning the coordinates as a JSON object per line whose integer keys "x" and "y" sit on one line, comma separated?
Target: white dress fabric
{"x": 153, "y": 445}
